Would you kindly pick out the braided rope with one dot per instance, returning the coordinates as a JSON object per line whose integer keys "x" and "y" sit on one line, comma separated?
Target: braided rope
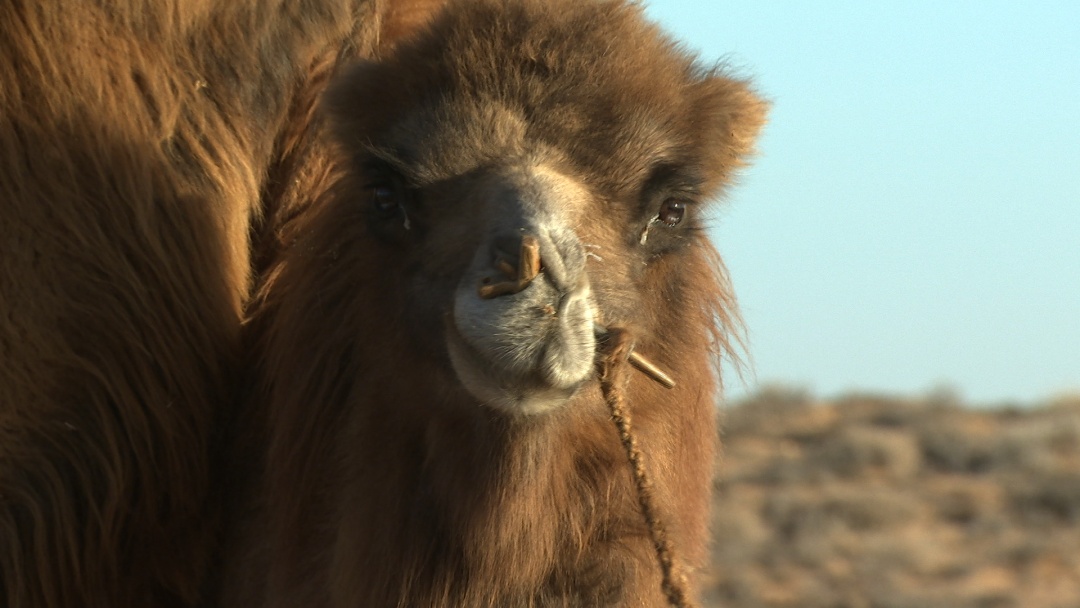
{"x": 612, "y": 382}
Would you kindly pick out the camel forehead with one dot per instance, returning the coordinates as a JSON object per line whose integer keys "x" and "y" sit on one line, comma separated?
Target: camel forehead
{"x": 449, "y": 138}
{"x": 490, "y": 80}
{"x": 458, "y": 136}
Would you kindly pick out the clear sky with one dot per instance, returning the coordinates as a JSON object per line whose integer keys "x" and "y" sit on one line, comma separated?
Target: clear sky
{"x": 913, "y": 219}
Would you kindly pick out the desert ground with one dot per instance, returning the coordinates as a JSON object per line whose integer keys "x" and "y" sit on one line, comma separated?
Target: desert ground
{"x": 865, "y": 501}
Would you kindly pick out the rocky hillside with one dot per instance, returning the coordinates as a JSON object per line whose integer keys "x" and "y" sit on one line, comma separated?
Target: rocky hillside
{"x": 890, "y": 503}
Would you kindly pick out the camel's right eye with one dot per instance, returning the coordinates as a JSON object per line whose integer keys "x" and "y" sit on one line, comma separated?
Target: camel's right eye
{"x": 384, "y": 199}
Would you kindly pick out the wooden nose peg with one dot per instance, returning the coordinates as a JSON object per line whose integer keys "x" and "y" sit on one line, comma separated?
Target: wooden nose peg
{"x": 518, "y": 278}
{"x": 640, "y": 361}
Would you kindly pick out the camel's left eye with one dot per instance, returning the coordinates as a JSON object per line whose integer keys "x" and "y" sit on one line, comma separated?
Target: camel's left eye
{"x": 671, "y": 212}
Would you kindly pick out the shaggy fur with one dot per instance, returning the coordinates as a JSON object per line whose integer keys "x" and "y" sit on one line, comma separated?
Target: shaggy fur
{"x": 382, "y": 480}
{"x": 142, "y": 143}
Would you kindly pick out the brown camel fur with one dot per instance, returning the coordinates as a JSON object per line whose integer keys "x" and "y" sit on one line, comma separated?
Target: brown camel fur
{"x": 144, "y": 144}
{"x": 426, "y": 446}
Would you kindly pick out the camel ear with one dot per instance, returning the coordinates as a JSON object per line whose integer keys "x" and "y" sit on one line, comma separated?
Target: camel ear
{"x": 730, "y": 117}
{"x": 400, "y": 19}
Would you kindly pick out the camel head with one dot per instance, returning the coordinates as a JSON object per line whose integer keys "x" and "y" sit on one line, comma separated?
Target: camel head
{"x": 536, "y": 172}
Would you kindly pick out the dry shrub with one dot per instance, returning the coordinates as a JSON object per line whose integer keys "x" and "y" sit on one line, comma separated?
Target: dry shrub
{"x": 881, "y": 410}
{"x": 955, "y": 441}
{"x": 1048, "y": 499}
{"x": 754, "y": 459}
{"x": 1046, "y": 441}
{"x": 787, "y": 466}
{"x": 834, "y": 510}
{"x": 959, "y": 499}
{"x": 773, "y": 412}
{"x": 869, "y": 452}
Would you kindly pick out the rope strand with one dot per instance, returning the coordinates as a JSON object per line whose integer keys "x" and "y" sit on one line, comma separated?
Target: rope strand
{"x": 612, "y": 381}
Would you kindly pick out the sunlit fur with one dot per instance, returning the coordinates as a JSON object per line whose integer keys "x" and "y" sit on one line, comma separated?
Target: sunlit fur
{"x": 142, "y": 142}
{"x": 375, "y": 478}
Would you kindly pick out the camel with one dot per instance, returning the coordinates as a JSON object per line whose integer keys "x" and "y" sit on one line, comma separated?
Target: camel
{"x": 439, "y": 344}
{"x": 150, "y": 150}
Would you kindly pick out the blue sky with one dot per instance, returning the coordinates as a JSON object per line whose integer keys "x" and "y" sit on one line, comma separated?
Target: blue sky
{"x": 913, "y": 219}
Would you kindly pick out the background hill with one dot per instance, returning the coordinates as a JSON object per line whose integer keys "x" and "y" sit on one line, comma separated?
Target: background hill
{"x": 866, "y": 501}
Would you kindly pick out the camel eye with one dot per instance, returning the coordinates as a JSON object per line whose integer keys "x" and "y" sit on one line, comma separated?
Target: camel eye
{"x": 671, "y": 212}
{"x": 384, "y": 199}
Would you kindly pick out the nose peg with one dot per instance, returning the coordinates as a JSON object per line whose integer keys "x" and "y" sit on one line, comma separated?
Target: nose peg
{"x": 638, "y": 360}
{"x": 517, "y": 278}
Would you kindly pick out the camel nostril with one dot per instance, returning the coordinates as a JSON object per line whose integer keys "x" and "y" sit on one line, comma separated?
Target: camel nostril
{"x": 519, "y": 272}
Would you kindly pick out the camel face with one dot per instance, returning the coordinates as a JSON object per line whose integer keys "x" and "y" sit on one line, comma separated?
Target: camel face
{"x": 459, "y": 199}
